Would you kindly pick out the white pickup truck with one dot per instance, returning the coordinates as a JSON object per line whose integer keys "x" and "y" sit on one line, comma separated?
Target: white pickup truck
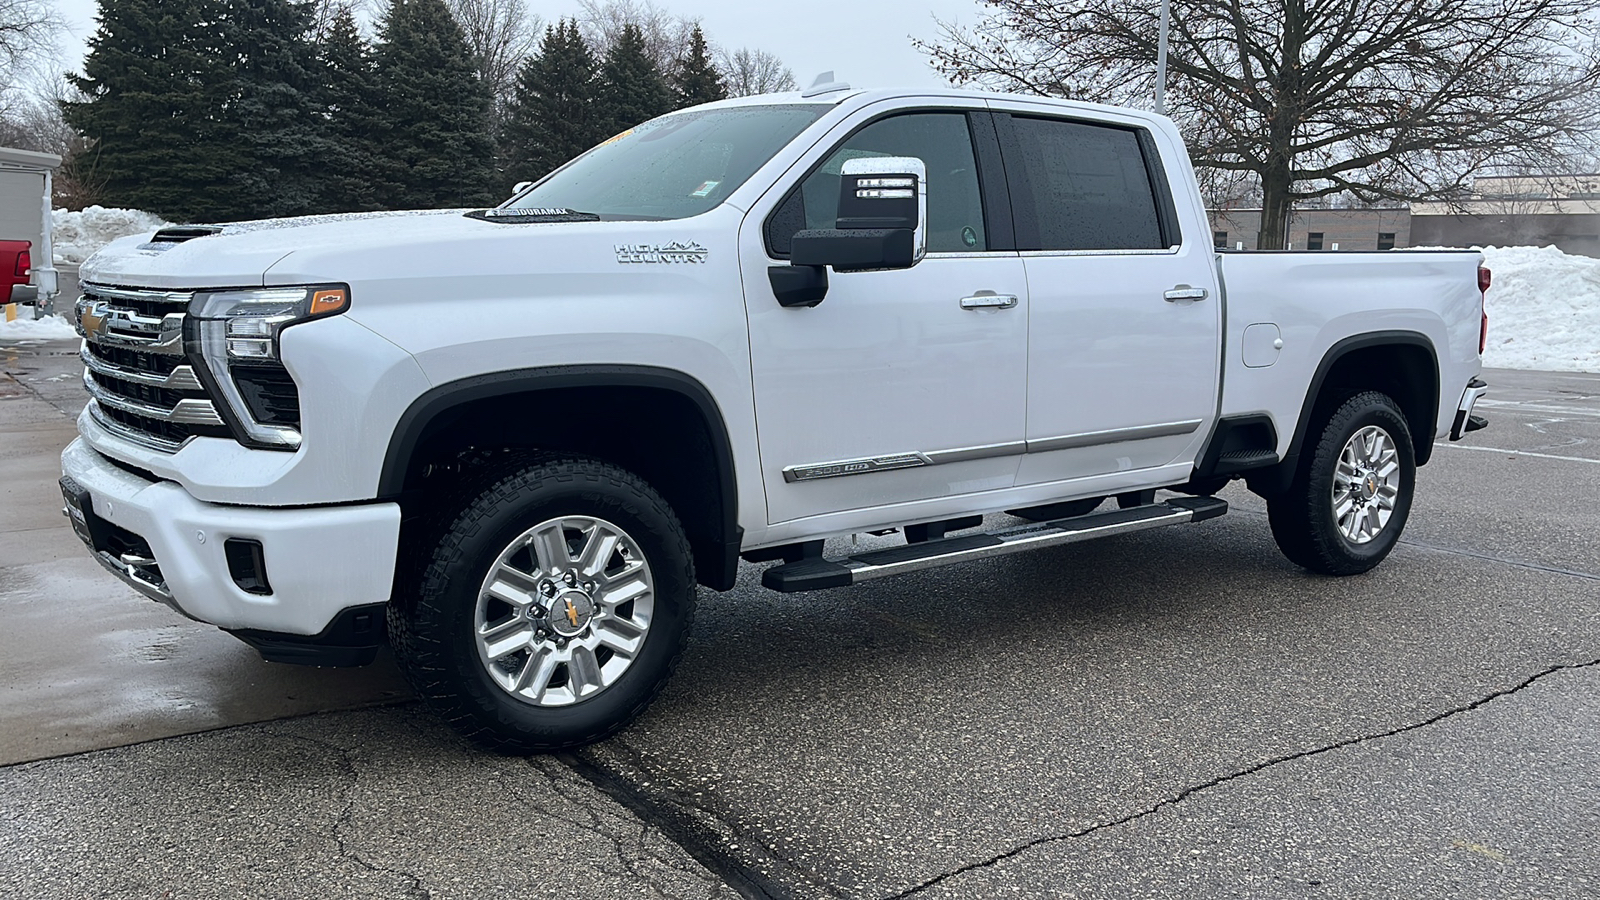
{"x": 514, "y": 441}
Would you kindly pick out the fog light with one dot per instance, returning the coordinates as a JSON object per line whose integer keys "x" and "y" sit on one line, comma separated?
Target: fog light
{"x": 247, "y": 563}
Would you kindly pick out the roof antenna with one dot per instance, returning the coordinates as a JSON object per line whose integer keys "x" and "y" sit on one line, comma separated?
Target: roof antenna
{"x": 824, "y": 85}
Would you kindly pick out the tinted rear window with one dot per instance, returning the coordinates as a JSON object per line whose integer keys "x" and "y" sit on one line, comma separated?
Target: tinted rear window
{"x": 1089, "y": 185}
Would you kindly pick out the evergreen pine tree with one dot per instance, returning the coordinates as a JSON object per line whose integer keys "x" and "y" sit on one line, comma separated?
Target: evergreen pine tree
{"x": 277, "y": 113}
{"x": 632, "y": 89}
{"x": 156, "y": 76}
{"x": 695, "y": 79}
{"x": 436, "y": 110}
{"x": 350, "y": 178}
{"x": 553, "y": 115}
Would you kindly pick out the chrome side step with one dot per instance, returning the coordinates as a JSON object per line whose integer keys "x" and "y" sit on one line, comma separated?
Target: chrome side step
{"x": 817, "y": 574}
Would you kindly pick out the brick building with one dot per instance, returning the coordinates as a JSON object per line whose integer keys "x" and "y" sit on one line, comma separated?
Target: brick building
{"x": 1559, "y": 210}
{"x": 1318, "y": 229}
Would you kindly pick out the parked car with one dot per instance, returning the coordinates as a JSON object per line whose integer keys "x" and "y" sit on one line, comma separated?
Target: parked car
{"x": 517, "y": 440}
{"x": 16, "y": 269}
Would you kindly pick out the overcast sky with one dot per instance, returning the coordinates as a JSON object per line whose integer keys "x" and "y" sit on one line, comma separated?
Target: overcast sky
{"x": 864, "y": 42}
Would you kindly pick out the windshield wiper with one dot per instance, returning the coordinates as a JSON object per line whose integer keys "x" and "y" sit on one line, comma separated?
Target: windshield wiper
{"x": 514, "y": 215}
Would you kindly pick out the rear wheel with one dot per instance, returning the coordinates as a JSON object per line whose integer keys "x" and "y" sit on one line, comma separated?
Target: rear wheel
{"x": 554, "y": 607}
{"x": 1349, "y": 501}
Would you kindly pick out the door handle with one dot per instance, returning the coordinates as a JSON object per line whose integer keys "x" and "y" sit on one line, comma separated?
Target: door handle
{"x": 1185, "y": 292}
{"x": 989, "y": 300}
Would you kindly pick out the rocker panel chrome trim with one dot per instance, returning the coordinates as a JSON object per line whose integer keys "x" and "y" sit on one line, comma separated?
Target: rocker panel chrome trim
{"x": 912, "y": 459}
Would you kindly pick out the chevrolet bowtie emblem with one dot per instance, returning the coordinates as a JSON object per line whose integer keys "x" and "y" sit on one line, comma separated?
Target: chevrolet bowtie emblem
{"x": 572, "y": 614}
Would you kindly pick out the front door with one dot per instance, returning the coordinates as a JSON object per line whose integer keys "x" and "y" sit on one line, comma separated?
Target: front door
{"x": 891, "y": 391}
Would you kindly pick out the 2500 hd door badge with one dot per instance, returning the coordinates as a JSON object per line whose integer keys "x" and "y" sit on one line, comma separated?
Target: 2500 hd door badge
{"x": 675, "y": 252}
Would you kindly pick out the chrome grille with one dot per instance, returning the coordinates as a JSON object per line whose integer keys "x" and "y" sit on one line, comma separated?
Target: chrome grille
{"x": 140, "y": 384}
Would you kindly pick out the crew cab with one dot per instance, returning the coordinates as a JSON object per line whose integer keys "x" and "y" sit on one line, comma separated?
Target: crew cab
{"x": 516, "y": 441}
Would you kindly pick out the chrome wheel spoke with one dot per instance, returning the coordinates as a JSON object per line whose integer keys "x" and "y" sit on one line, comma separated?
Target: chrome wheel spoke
{"x": 499, "y": 640}
{"x": 597, "y": 550}
{"x": 622, "y": 635}
{"x": 550, "y": 547}
{"x": 534, "y": 676}
{"x": 617, "y": 592}
{"x": 583, "y": 672}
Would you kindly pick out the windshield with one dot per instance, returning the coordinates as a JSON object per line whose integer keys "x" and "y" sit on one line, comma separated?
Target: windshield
{"x": 677, "y": 166}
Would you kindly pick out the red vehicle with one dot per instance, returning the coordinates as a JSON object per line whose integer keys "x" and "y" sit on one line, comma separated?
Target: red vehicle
{"x": 15, "y": 266}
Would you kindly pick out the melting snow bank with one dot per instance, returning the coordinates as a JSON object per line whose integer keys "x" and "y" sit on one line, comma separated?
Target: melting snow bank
{"x": 1544, "y": 310}
{"x": 77, "y": 235}
{"x": 49, "y": 328}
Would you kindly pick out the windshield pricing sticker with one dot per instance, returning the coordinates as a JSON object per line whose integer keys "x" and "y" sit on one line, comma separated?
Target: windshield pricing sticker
{"x": 705, "y": 189}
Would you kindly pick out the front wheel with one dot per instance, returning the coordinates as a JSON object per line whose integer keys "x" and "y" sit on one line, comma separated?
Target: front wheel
{"x": 553, "y": 609}
{"x": 1350, "y": 498}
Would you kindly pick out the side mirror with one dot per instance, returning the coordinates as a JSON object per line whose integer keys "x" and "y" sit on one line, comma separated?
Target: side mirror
{"x": 882, "y": 225}
{"x": 882, "y": 222}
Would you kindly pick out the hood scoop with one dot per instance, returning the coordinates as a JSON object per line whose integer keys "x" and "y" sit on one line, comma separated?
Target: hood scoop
{"x": 177, "y": 234}
{"x": 513, "y": 216}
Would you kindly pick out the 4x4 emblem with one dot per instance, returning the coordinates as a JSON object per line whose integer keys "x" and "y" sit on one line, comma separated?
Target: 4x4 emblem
{"x": 675, "y": 252}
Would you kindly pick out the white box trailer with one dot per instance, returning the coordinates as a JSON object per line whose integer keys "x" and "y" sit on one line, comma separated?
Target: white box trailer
{"x": 25, "y": 186}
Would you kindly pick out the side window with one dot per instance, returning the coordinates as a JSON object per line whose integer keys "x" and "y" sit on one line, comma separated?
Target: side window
{"x": 941, "y": 140}
{"x": 1089, "y": 185}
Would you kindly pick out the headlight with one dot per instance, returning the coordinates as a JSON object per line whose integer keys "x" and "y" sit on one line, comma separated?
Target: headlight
{"x": 237, "y": 334}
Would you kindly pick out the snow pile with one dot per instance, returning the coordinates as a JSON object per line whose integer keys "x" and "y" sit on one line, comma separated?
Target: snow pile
{"x": 1544, "y": 310}
{"x": 77, "y": 235}
{"x": 49, "y": 328}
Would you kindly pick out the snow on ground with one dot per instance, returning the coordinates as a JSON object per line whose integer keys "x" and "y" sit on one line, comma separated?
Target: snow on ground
{"x": 49, "y": 328}
{"x": 77, "y": 235}
{"x": 1544, "y": 310}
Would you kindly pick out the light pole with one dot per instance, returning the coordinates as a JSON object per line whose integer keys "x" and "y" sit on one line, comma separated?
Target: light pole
{"x": 1161, "y": 58}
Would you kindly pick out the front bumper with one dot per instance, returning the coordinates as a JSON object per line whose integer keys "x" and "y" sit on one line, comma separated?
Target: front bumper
{"x": 1465, "y": 420}
{"x": 320, "y": 561}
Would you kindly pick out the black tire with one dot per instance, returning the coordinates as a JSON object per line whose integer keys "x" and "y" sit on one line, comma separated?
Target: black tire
{"x": 433, "y": 622}
{"x": 1303, "y": 518}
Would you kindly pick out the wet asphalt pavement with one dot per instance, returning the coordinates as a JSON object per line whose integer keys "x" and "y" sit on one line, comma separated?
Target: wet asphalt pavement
{"x": 1177, "y": 713}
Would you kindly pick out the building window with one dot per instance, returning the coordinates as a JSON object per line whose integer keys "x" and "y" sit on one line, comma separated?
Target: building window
{"x": 1385, "y": 240}
{"x": 1314, "y": 241}
{"x": 1219, "y": 240}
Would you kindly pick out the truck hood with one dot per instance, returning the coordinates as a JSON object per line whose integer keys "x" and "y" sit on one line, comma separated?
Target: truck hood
{"x": 240, "y": 254}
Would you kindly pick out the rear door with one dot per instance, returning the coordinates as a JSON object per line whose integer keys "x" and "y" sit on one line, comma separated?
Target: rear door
{"x": 891, "y": 391}
{"x": 1125, "y": 321}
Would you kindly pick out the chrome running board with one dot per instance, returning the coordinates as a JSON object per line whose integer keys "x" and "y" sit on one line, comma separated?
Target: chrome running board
{"x": 818, "y": 574}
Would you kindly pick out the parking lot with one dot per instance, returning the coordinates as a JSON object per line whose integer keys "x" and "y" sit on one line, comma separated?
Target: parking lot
{"x": 1179, "y": 712}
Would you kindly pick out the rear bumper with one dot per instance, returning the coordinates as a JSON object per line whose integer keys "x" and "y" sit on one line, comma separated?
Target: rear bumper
{"x": 319, "y": 561}
{"x": 1465, "y": 420}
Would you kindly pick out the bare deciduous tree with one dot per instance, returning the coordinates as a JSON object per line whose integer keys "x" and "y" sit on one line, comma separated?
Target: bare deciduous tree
{"x": 1380, "y": 99}
{"x": 27, "y": 30}
{"x": 748, "y": 71}
{"x": 501, "y": 34}
{"x": 666, "y": 34}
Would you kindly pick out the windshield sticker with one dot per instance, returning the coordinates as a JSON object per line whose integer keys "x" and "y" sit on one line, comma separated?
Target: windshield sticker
{"x": 614, "y": 138}
{"x": 675, "y": 252}
{"x": 705, "y": 190}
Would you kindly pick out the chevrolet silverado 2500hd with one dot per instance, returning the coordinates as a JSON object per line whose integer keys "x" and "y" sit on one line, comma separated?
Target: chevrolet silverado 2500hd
{"x": 515, "y": 440}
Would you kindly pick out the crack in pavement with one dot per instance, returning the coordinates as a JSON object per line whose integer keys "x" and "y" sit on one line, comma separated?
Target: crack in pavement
{"x": 698, "y": 831}
{"x": 629, "y": 849}
{"x": 417, "y": 891}
{"x": 1188, "y": 792}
